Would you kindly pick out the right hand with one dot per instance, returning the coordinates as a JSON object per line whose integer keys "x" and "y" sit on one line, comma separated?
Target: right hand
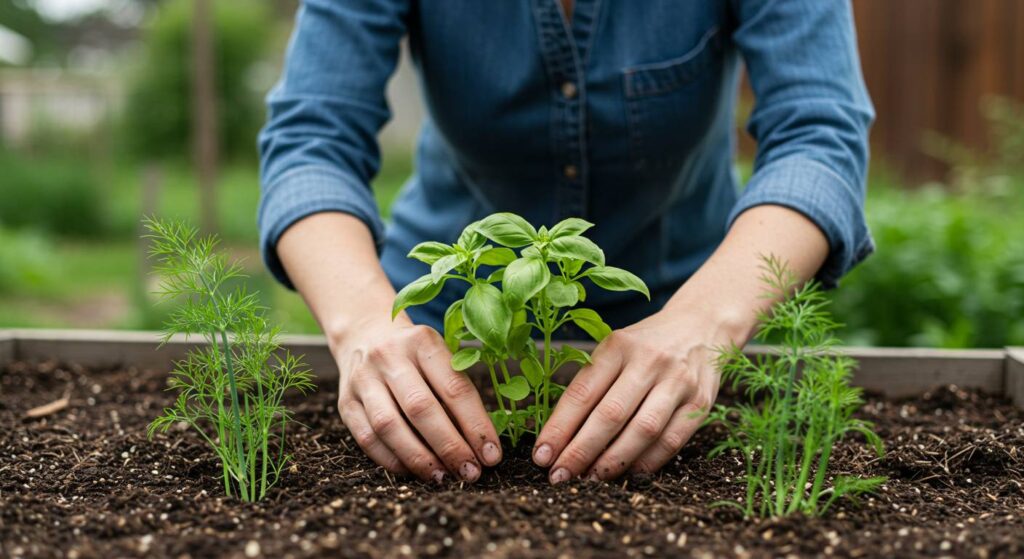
{"x": 391, "y": 376}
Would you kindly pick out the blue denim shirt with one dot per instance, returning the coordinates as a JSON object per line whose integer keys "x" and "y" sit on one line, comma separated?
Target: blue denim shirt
{"x": 623, "y": 116}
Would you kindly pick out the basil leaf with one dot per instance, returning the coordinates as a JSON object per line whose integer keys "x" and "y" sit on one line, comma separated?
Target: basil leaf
{"x": 580, "y": 248}
{"x": 590, "y": 322}
{"x": 562, "y": 293}
{"x": 532, "y": 370}
{"x": 507, "y": 229}
{"x": 444, "y": 265}
{"x": 571, "y": 266}
{"x": 430, "y": 252}
{"x": 524, "y": 278}
{"x": 496, "y": 275}
{"x": 582, "y": 290}
{"x": 465, "y": 358}
{"x": 519, "y": 337}
{"x": 617, "y": 279}
{"x": 568, "y": 353}
{"x": 471, "y": 239}
{"x": 519, "y": 317}
{"x": 500, "y": 420}
{"x": 517, "y": 388}
{"x": 570, "y": 227}
{"x": 486, "y": 315}
{"x": 416, "y": 293}
{"x": 500, "y": 256}
{"x": 452, "y": 324}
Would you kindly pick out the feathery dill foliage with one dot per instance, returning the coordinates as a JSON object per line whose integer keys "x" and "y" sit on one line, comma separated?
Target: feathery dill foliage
{"x": 230, "y": 389}
{"x": 805, "y": 407}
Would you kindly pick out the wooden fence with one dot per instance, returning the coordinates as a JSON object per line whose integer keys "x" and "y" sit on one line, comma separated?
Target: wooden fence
{"x": 929, "y": 64}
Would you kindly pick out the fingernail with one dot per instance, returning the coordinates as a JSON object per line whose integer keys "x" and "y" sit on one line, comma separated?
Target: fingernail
{"x": 438, "y": 475}
{"x": 469, "y": 471}
{"x": 560, "y": 475}
{"x": 491, "y": 454}
{"x": 542, "y": 456}
{"x": 593, "y": 477}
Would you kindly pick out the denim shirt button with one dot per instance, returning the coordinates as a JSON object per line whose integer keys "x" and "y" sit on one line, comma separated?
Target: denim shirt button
{"x": 569, "y": 90}
{"x": 571, "y": 172}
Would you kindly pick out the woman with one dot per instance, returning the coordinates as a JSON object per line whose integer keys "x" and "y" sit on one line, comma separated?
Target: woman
{"x": 616, "y": 111}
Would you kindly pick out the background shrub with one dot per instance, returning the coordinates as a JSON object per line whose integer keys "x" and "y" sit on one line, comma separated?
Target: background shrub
{"x": 26, "y": 263}
{"x": 157, "y": 116}
{"x": 54, "y": 195}
{"x": 949, "y": 271}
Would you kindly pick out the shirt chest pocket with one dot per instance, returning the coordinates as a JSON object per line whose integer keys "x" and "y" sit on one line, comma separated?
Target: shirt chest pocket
{"x": 670, "y": 105}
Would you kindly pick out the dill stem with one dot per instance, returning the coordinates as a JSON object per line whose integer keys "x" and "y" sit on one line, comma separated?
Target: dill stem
{"x": 783, "y": 423}
{"x": 233, "y": 385}
{"x": 264, "y": 434}
{"x": 810, "y": 449}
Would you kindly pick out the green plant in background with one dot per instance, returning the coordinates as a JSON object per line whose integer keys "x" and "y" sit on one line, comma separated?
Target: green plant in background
{"x": 55, "y": 195}
{"x": 158, "y": 113}
{"x": 230, "y": 390}
{"x": 799, "y": 405}
{"x": 949, "y": 270}
{"x": 27, "y": 266}
{"x": 539, "y": 290}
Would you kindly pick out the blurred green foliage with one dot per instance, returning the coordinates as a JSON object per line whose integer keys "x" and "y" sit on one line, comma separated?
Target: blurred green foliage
{"x": 95, "y": 282}
{"x": 21, "y": 18}
{"x": 27, "y": 266}
{"x": 56, "y": 195}
{"x": 157, "y": 121}
{"x": 949, "y": 270}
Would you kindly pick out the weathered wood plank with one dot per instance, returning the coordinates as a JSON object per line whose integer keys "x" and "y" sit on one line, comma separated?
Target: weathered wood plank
{"x": 894, "y": 372}
{"x": 1015, "y": 375}
{"x": 8, "y": 347}
{"x": 899, "y": 372}
{"x": 103, "y": 348}
{"x": 906, "y": 372}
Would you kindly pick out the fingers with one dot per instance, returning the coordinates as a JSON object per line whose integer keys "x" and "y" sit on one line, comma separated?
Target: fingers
{"x": 354, "y": 416}
{"x": 684, "y": 423}
{"x": 640, "y": 433}
{"x": 387, "y": 423}
{"x": 576, "y": 403}
{"x": 609, "y": 417}
{"x": 462, "y": 400}
{"x": 423, "y": 410}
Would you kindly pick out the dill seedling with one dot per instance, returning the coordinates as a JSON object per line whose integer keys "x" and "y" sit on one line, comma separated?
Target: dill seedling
{"x": 230, "y": 389}
{"x": 800, "y": 405}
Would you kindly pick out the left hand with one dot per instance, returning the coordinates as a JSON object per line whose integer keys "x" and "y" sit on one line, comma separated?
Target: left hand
{"x": 648, "y": 390}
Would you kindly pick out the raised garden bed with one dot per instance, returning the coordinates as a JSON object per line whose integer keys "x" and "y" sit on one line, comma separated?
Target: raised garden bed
{"x": 82, "y": 480}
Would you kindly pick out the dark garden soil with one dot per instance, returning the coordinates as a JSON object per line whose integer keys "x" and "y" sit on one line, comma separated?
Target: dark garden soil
{"x": 85, "y": 482}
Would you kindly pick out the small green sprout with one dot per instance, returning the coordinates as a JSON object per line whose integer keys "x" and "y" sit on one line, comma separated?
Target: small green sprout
{"x": 540, "y": 288}
{"x": 230, "y": 390}
{"x": 799, "y": 405}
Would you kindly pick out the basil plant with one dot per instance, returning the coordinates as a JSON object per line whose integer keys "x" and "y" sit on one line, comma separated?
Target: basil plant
{"x": 529, "y": 294}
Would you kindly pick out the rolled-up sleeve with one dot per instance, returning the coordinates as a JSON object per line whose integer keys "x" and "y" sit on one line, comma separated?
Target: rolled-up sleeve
{"x": 811, "y": 120}
{"x": 318, "y": 149}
